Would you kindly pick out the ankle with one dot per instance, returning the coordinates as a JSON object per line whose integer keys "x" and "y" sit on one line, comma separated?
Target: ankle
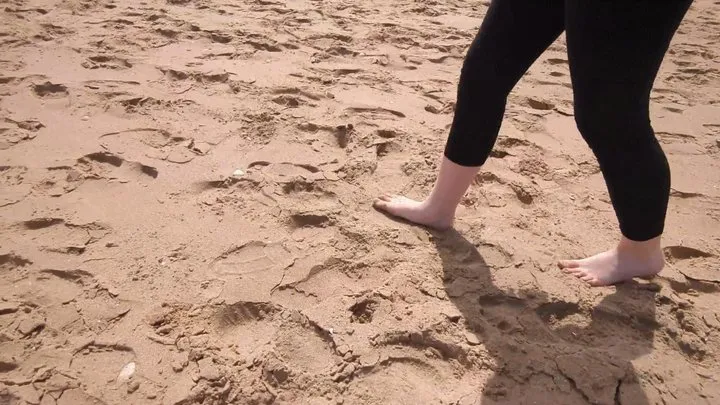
{"x": 648, "y": 248}
{"x": 438, "y": 208}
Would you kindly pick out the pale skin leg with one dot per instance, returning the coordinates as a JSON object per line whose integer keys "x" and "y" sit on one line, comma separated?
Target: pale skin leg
{"x": 628, "y": 260}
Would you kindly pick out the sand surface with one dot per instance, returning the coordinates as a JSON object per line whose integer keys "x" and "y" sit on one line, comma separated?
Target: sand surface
{"x": 185, "y": 215}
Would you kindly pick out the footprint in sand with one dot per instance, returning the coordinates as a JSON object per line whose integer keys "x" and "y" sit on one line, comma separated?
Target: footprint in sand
{"x": 148, "y": 105}
{"x": 14, "y": 132}
{"x": 13, "y": 187}
{"x": 496, "y": 191}
{"x": 205, "y": 77}
{"x": 294, "y": 97}
{"x": 58, "y": 236}
{"x": 86, "y": 164}
{"x": 149, "y": 142}
{"x": 106, "y": 62}
{"x": 53, "y": 32}
{"x": 539, "y": 104}
{"x": 375, "y": 112}
{"x": 63, "y": 179}
{"x": 50, "y": 90}
{"x": 695, "y": 264}
{"x": 283, "y": 342}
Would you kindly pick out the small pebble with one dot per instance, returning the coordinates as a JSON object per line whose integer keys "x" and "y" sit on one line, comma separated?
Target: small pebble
{"x": 133, "y": 386}
{"x": 28, "y": 326}
{"x": 126, "y": 373}
{"x": 472, "y": 339}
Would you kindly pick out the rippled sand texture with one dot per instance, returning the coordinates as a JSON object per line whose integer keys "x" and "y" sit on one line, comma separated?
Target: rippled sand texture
{"x": 185, "y": 215}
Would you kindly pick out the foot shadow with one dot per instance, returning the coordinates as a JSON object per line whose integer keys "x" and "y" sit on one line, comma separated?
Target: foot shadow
{"x": 545, "y": 350}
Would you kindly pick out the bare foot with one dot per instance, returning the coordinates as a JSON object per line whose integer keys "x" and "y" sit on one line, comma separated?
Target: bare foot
{"x": 416, "y": 212}
{"x": 628, "y": 260}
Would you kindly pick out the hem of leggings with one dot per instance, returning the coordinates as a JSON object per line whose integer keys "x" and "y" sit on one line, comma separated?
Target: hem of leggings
{"x": 641, "y": 236}
{"x": 461, "y": 162}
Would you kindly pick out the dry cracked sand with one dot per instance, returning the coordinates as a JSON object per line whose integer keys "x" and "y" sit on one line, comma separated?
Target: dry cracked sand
{"x": 185, "y": 215}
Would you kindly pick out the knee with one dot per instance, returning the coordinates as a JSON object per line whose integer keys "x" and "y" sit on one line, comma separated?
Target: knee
{"x": 484, "y": 77}
{"x": 592, "y": 117}
{"x": 612, "y": 123}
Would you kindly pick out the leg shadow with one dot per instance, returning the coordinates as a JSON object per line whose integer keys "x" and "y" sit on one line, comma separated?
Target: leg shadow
{"x": 545, "y": 350}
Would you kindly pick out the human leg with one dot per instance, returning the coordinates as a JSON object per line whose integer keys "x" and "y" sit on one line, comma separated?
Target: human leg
{"x": 615, "y": 49}
{"x": 513, "y": 34}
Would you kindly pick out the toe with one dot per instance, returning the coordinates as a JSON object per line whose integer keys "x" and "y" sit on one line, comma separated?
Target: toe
{"x": 571, "y": 270}
{"x": 578, "y": 272}
{"x": 385, "y": 197}
{"x": 568, "y": 264}
{"x": 380, "y": 203}
{"x": 596, "y": 283}
{"x": 585, "y": 275}
{"x": 398, "y": 199}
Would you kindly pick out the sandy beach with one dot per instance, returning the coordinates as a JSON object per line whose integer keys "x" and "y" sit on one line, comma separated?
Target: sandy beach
{"x": 186, "y": 214}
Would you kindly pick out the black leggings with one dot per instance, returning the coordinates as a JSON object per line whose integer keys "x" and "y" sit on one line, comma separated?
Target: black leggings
{"x": 615, "y": 48}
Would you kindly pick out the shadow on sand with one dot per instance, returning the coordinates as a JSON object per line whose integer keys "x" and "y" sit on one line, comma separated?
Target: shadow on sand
{"x": 549, "y": 351}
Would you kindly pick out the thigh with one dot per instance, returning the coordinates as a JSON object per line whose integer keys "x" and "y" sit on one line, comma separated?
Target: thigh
{"x": 512, "y": 36}
{"x": 615, "y": 49}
